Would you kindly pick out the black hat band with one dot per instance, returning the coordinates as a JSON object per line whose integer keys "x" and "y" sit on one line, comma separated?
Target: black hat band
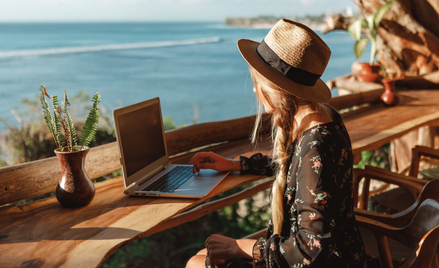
{"x": 296, "y": 75}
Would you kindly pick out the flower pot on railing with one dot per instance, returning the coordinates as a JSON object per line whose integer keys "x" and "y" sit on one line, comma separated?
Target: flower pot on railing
{"x": 389, "y": 96}
{"x": 75, "y": 189}
{"x": 369, "y": 72}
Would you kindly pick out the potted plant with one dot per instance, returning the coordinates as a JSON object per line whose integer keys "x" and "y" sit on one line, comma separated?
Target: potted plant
{"x": 75, "y": 189}
{"x": 370, "y": 70}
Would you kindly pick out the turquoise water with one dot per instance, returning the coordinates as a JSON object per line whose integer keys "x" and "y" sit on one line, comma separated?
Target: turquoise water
{"x": 195, "y": 68}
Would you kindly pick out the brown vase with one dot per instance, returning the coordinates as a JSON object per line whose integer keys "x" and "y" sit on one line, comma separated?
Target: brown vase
{"x": 75, "y": 189}
{"x": 389, "y": 97}
{"x": 369, "y": 73}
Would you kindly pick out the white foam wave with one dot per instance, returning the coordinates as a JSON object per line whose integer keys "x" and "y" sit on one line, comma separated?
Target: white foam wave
{"x": 69, "y": 50}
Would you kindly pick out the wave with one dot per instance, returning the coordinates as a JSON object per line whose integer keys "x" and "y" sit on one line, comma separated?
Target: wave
{"x": 70, "y": 50}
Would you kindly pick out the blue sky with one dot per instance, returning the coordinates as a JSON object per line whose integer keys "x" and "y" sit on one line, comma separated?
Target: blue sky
{"x": 160, "y": 10}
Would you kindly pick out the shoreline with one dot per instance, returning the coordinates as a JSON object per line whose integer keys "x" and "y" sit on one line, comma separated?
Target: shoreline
{"x": 317, "y": 23}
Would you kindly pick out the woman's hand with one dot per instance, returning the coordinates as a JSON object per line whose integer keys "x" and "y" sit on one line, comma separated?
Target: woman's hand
{"x": 210, "y": 160}
{"x": 220, "y": 247}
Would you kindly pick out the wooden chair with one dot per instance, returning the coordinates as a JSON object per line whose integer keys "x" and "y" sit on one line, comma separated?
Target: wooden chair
{"x": 420, "y": 236}
{"x": 412, "y": 185}
{"x": 400, "y": 197}
{"x": 417, "y": 153}
{"x": 422, "y": 189}
{"x": 429, "y": 191}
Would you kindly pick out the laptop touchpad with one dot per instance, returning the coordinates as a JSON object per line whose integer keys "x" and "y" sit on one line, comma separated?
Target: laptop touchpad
{"x": 203, "y": 181}
{"x": 206, "y": 178}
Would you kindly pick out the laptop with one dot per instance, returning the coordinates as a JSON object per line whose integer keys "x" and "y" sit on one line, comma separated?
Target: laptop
{"x": 145, "y": 165}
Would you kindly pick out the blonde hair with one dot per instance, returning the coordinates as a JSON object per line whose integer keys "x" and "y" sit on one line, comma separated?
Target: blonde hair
{"x": 283, "y": 124}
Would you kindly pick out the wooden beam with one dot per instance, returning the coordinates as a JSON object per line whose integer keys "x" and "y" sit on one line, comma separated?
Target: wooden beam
{"x": 39, "y": 177}
{"x": 347, "y": 101}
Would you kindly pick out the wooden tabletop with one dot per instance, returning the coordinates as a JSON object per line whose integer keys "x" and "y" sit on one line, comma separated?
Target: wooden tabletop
{"x": 376, "y": 125}
{"x": 44, "y": 234}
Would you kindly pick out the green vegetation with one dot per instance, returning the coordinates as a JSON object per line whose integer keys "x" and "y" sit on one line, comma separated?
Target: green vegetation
{"x": 371, "y": 23}
{"x": 376, "y": 158}
{"x": 60, "y": 117}
{"x": 28, "y": 138}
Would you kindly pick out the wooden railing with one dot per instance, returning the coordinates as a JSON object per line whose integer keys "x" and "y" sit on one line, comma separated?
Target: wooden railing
{"x": 39, "y": 177}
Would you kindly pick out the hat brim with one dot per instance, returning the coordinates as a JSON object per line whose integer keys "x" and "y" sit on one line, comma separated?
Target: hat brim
{"x": 320, "y": 92}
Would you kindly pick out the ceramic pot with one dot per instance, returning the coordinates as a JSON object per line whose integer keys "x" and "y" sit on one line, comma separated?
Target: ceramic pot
{"x": 75, "y": 189}
{"x": 389, "y": 97}
{"x": 369, "y": 73}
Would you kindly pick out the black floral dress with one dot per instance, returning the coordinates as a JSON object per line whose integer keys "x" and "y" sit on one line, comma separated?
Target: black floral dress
{"x": 319, "y": 228}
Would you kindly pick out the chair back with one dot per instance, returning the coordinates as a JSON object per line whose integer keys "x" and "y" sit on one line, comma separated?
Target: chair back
{"x": 430, "y": 191}
{"x": 421, "y": 236}
{"x": 425, "y": 220}
{"x": 428, "y": 252}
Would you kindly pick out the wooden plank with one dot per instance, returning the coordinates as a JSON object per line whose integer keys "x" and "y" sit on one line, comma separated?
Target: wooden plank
{"x": 347, "y": 101}
{"x": 207, "y": 208}
{"x": 47, "y": 234}
{"x": 35, "y": 178}
{"x": 376, "y": 125}
{"x": 386, "y": 135}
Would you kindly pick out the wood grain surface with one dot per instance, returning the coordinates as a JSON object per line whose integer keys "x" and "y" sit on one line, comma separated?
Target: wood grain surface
{"x": 44, "y": 234}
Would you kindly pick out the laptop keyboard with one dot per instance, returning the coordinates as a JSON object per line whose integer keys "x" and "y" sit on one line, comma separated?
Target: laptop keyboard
{"x": 171, "y": 180}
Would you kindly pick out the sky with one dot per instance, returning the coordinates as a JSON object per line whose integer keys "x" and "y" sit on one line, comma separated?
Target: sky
{"x": 160, "y": 10}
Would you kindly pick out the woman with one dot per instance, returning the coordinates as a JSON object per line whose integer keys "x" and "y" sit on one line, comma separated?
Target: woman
{"x": 312, "y": 223}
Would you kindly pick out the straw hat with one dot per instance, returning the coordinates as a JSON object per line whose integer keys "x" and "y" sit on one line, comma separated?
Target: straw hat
{"x": 293, "y": 57}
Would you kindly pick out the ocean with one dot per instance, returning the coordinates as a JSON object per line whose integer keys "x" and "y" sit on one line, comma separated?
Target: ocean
{"x": 195, "y": 68}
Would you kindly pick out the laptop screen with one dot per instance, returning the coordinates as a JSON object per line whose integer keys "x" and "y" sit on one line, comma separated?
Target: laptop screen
{"x": 141, "y": 137}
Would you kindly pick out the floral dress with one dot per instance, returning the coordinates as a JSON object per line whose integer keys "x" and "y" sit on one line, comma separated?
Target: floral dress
{"x": 319, "y": 227}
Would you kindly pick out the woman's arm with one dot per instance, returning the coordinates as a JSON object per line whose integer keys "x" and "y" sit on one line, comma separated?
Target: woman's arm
{"x": 211, "y": 160}
{"x": 220, "y": 247}
{"x": 257, "y": 164}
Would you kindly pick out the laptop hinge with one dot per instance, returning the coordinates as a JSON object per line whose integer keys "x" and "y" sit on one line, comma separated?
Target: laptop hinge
{"x": 132, "y": 185}
{"x": 167, "y": 165}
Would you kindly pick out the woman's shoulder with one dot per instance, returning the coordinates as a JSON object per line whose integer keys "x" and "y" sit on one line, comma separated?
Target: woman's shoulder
{"x": 321, "y": 136}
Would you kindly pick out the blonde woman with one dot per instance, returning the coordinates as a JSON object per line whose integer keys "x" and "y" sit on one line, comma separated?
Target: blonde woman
{"x": 312, "y": 223}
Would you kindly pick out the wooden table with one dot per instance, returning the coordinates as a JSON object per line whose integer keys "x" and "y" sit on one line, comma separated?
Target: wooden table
{"x": 84, "y": 237}
{"x": 376, "y": 125}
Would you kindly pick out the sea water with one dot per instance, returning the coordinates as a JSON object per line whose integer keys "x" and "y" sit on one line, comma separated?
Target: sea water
{"x": 194, "y": 68}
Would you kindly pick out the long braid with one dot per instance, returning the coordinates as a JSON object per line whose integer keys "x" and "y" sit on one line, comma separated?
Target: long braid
{"x": 283, "y": 125}
{"x": 283, "y": 119}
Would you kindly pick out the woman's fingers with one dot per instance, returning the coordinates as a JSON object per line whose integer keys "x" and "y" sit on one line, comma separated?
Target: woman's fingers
{"x": 201, "y": 156}
{"x": 209, "y": 160}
